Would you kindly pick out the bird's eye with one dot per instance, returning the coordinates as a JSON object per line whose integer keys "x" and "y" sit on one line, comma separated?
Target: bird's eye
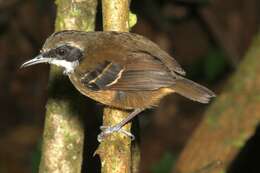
{"x": 61, "y": 51}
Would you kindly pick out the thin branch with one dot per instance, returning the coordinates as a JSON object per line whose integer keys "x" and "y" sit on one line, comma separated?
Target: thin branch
{"x": 229, "y": 122}
{"x": 115, "y": 150}
{"x": 115, "y": 15}
{"x": 63, "y": 132}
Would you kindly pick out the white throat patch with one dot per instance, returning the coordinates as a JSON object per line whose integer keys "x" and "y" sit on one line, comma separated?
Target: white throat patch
{"x": 67, "y": 65}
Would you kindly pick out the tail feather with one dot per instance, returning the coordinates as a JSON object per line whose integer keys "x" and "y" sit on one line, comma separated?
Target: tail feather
{"x": 193, "y": 91}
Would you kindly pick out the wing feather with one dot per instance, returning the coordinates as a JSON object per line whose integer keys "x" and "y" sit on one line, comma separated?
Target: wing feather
{"x": 143, "y": 45}
{"x": 102, "y": 76}
{"x": 141, "y": 73}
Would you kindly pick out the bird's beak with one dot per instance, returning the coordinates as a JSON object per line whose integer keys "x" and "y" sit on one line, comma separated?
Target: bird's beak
{"x": 37, "y": 60}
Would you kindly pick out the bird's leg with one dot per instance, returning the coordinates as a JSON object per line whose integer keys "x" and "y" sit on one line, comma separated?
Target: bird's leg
{"x": 106, "y": 130}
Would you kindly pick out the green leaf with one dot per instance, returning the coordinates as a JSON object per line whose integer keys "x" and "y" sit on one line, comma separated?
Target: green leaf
{"x": 165, "y": 165}
{"x": 35, "y": 158}
{"x": 132, "y": 19}
{"x": 215, "y": 64}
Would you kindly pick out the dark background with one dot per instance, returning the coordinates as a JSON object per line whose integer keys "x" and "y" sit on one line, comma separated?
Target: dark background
{"x": 207, "y": 37}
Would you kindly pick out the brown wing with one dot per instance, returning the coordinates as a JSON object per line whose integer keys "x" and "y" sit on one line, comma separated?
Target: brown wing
{"x": 140, "y": 44}
{"x": 140, "y": 74}
{"x": 102, "y": 76}
{"x": 143, "y": 73}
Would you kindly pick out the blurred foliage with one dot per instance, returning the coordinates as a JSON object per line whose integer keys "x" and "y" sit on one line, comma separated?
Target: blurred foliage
{"x": 166, "y": 163}
{"x": 197, "y": 2}
{"x": 215, "y": 64}
{"x": 41, "y": 5}
{"x": 210, "y": 67}
{"x": 36, "y": 157}
{"x": 132, "y": 19}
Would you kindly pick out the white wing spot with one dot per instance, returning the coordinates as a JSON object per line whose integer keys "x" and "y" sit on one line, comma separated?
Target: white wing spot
{"x": 118, "y": 77}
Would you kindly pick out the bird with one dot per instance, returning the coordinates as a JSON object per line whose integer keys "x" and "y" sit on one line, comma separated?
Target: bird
{"x": 118, "y": 69}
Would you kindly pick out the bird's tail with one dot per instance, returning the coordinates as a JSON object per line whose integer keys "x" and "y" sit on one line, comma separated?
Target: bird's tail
{"x": 192, "y": 90}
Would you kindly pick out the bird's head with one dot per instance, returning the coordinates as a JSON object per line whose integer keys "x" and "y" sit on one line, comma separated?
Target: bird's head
{"x": 61, "y": 49}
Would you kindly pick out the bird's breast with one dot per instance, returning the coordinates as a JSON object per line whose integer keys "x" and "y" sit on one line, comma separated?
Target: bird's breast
{"x": 103, "y": 96}
{"x": 122, "y": 99}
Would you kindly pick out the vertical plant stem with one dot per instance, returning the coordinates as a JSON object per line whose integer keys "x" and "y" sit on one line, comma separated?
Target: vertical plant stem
{"x": 223, "y": 135}
{"x": 115, "y": 150}
{"x": 115, "y": 15}
{"x": 63, "y": 137}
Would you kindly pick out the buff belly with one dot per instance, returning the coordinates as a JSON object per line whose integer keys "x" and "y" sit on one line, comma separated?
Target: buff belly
{"x": 123, "y": 99}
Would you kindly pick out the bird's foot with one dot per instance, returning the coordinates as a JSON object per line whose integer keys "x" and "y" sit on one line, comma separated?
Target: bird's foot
{"x": 107, "y": 130}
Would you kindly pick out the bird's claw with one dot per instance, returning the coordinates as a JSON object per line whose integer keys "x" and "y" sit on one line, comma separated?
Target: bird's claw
{"x": 106, "y": 130}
